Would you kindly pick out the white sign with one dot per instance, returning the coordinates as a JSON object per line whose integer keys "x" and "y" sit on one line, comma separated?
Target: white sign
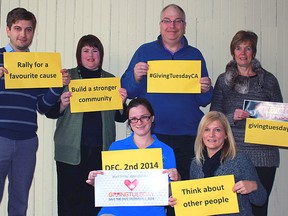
{"x": 132, "y": 188}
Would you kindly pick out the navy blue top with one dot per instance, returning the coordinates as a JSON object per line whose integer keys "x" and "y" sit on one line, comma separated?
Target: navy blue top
{"x": 177, "y": 114}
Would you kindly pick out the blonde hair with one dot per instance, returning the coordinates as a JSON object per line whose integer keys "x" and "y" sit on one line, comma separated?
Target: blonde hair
{"x": 229, "y": 147}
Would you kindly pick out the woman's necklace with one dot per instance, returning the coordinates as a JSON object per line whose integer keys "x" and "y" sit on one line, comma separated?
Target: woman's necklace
{"x": 79, "y": 74}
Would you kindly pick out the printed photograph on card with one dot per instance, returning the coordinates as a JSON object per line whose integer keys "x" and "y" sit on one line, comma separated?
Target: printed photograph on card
{"x": 266, "y": 110}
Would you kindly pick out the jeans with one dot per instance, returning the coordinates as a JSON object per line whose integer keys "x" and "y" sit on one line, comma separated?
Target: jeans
{"x": 17, "y": 161}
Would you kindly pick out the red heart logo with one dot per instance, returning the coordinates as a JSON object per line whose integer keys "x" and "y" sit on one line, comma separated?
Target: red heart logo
{"x": 131, "y": 185}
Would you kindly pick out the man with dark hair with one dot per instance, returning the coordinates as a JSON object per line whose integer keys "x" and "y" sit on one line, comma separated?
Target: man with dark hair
{"x": 18, "y": 117}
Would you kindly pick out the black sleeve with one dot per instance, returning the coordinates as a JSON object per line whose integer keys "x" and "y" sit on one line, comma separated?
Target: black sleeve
{"x": 54, "y": 112}
{"x": 121, "y": 117}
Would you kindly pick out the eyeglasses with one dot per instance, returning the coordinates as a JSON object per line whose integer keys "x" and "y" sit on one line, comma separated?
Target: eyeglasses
{"x": 142, "y": 119}
{"x": 176, "y": 21}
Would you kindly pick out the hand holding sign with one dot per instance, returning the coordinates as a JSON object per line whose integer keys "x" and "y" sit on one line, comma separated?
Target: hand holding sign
{"x": 65, "y": 101}
{"x": 65, "y": 77}
{"x": 2, "y": 71}
{"x": 92, "y": 175}
{"x": 205, "y": 84}
{"x": 140, "y": 70}
{"x": 245, "y": 187}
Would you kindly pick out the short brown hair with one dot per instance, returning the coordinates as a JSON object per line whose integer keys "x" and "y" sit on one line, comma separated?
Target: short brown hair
{"x": 244, "y": 36}
{"x": 20, "y": 14}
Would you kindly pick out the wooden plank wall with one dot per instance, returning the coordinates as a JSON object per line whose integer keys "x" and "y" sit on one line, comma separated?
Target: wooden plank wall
{"x": 122, "y": 26}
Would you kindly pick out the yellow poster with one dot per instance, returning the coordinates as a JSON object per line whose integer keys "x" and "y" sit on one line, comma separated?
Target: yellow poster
{"x": 268, "y": 132}
{"x": 174, "y": 76}
{"x": 97, "y": 94}
{"x": 32, "y": 70}
{"x": 132, "y": 159}
{"x": 207, "y": 196}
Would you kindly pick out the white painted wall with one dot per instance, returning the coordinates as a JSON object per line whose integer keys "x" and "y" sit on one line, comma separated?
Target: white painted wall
{"x": 122, "y": 26}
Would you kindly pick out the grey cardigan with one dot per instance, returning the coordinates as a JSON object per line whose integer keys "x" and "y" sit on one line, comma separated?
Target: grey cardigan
{"x": 67, "y": 135}
{"x": 231, "y": 90}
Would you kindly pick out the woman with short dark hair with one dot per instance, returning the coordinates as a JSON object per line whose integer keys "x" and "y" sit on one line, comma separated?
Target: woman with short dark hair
{"x": 80, "y": 137}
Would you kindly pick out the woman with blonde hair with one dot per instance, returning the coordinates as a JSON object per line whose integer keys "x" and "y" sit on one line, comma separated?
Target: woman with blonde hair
{"x": 216, "y": 155}
{"x": 229, "y": 146}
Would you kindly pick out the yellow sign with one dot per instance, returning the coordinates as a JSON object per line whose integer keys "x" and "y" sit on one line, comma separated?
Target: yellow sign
{"x": 174, "y": 76}
{"x": 207, "y": 196}
{"x": 32, "y": 70}
{"x": 267, "y": 132}
{"x": 132, "y": 159}
{"x": 97, "y": 94}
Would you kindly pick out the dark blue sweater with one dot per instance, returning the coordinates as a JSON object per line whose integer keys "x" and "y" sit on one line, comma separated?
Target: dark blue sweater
{"x": 18, "y": 108}
{"x": 175, "y": 114}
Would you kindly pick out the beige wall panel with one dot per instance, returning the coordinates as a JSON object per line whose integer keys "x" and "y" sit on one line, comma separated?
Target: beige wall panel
{"x": 122, "y": 26}
{"x": 45, "y": 183}
{"x": 102, "y": 28}
{"x": 282, "y": 45}
{"x": 118, "y": 40}
{"x": 278, "y": 203}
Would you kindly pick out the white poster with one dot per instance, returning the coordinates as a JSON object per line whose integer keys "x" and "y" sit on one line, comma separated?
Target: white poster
{"x": 132, "y": 188}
